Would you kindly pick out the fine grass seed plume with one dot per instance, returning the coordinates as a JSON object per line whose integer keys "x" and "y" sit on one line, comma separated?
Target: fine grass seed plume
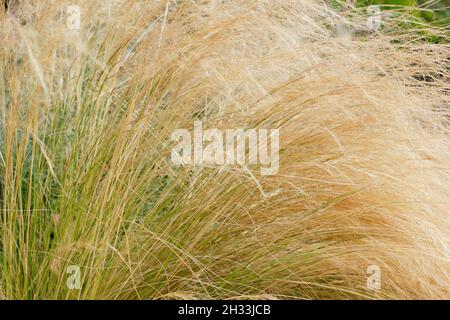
{"x": 93, "y": 207}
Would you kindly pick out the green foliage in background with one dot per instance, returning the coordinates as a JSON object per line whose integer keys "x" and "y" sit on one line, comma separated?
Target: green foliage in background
{"x": 432, "y": 11}
{"x": 413, "y": 15}
{"x": 436, "y": 11}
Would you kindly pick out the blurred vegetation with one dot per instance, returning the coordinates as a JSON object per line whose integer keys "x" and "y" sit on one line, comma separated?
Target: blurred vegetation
{"x": 435, "y": 11}
{"x": 415, "y": 15}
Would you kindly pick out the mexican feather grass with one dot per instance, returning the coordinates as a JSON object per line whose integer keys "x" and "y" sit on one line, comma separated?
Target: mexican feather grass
{"x": 86, "y": 178}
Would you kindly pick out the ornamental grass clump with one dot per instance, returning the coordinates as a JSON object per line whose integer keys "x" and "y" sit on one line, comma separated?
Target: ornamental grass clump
{"x": 93, "y": 207}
